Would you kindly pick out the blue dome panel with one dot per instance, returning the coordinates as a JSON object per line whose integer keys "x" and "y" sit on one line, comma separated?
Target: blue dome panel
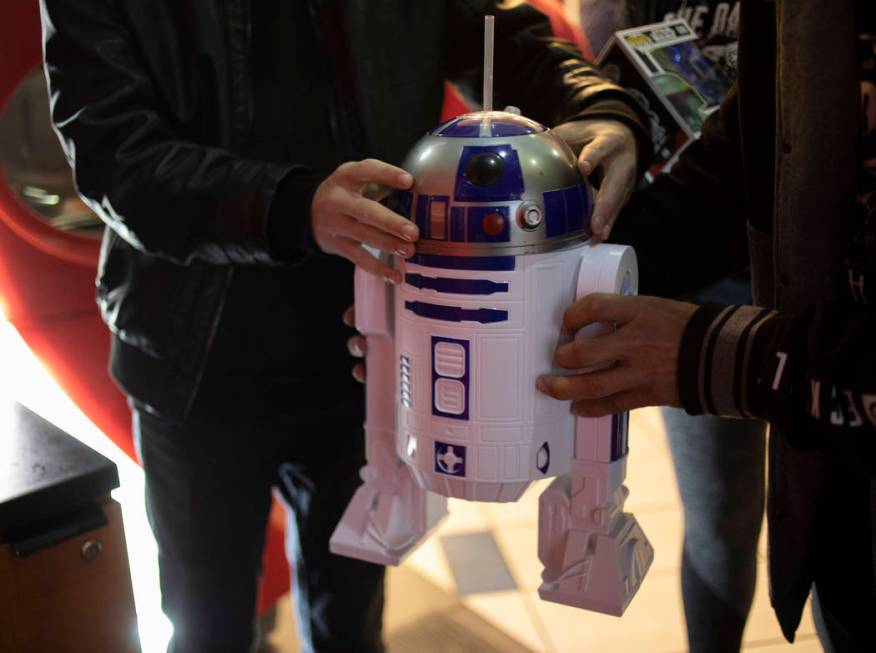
{"x": 501, "y": 124}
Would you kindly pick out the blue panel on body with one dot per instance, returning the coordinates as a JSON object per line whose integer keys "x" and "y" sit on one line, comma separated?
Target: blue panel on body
{"x": 456, "y": 313}
{"x": 488, "y": 263}
{"x": 509, "y": 186}
{"x": 543, "y": 458}
{"x": 400, "y": 201}
{"x": 449, "y": 459}
{"x": 456, "y": 286}
{"x": 422, "y": 214}
{"x": 457, "y": 224}
{"x": 508, "y": 128}
{"x": 619, "y": 430}
{"x": 476, "y": 233}
{"x": 458, "y": 372}
{"x": 555, "y": 213}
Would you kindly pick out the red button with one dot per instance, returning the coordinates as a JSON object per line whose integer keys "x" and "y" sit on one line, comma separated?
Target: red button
{"x": 493, "y": 224}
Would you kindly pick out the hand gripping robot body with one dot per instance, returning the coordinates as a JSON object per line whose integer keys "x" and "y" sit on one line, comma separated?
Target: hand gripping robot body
{"x": 454, "y": 352}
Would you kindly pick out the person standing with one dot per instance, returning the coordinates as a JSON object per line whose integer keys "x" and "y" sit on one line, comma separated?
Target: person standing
{"x": 782, "y": 177}
{"x": 227, "y": 145}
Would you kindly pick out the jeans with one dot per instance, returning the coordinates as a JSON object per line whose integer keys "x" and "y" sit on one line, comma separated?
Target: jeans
{"x": 719, "y": 465}
{"x": 208, "y": 495}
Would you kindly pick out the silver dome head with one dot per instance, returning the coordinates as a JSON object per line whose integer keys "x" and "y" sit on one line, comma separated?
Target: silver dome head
{"x": 494, "y": 183}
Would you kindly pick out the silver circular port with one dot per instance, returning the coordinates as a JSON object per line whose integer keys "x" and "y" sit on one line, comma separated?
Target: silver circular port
{"x": 530, "y": 216}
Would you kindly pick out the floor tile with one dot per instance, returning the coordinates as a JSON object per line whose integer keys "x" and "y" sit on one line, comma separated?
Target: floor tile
{"x": 653, "y": 623}
{"x": 476, "y": 563}
{"x": 412, "y": 598}
{"x": 429, "y": 561}
{"x": 647, "y": 424}
{"x": 508, "y": 611}
{"x": 421, "y": 617}
{"x": 802, "y": 644}
{"x": 519, "y": 546}
{"x": 462, "y": 517}
{"x": 665, "y": 530}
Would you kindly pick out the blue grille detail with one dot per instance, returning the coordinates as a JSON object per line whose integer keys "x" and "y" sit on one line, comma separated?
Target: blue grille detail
{"x": 489, "y": 263}
{"x": 566, "y": 210}
{"x": 555, "y": 213}
{"x": 574, "y": 207}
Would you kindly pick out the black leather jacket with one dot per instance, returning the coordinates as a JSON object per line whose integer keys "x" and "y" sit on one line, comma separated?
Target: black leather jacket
{"x": 153, "y": 103}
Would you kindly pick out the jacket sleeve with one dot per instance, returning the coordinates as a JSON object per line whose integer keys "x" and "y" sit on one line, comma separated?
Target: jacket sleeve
{"x": 545, "y": 76}
{"x": 163, "y": 194}
{"x": 812, "y": 375}
{"x": 689, "y": 227}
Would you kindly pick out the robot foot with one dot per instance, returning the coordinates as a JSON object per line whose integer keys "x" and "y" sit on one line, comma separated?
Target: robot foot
{"x": 386, "y": 520}
{"x": 598, "y": 571}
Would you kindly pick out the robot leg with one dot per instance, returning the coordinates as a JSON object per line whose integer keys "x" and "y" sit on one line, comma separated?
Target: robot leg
{"x": 390, "y": 513}
{"x": 595, "y": 555}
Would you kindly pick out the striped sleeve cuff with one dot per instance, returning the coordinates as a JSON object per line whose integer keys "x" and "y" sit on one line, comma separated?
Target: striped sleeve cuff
{"x": 716, "y": 360}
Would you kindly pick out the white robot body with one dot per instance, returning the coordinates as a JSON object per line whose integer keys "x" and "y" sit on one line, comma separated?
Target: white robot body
{"x": 454, "y": 352}
{"x": 471, "y": 425}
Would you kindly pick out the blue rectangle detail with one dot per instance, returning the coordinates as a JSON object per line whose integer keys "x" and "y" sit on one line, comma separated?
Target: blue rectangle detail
{"x": 400, "y": 201}
{"x": 555, "y": 213}
{"x": 457, "y": 224}
{"x": 422, "y": 214}
{"x": 574, "y": 208}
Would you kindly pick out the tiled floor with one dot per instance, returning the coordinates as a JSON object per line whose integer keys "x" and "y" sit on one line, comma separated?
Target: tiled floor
{"x": 427, "y": 610}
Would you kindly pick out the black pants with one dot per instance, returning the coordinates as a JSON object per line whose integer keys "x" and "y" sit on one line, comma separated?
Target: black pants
{"x": 844, "y": 596}
{"x": 208, "y": 495}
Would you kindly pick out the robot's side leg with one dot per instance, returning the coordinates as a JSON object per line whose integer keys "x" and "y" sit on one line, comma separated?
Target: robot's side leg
{"x": 389, "y": 513}
{"x": 595, "y": 555}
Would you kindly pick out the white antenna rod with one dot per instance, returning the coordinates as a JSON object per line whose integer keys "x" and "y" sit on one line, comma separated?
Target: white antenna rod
{"x": 488, "y": 62}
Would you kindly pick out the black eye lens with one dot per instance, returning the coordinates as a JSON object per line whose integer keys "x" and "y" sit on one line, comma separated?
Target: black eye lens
{"x": 484, "y": 169}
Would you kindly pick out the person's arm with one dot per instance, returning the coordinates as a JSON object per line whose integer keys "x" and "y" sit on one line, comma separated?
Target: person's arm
{"x": 813, "y": 374}
{"x": 164, "y": 194}
{"x": 689, "y": 227}
{"x": 549, "y": 79}
{"x": 175, "y": 198}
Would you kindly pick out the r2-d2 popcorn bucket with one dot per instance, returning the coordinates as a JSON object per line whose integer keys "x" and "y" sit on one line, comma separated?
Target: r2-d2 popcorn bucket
{"x": 454, "y": 352}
